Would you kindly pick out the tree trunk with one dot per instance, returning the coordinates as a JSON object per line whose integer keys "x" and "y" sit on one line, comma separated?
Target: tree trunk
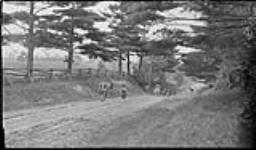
{"x": 30, "y": 43}
{"x": 140, "y": 62}
{"x": 120, "y": 62}
{"x": 70, "y": 58}
{"x": 128, "y": 62}
{"x": 150, "y": 72}
{"x": 70, "y": 53}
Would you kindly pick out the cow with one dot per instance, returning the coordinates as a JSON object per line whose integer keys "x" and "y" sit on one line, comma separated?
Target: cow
{"x": 104, "y": 88}
{"x": 157, "y": 90}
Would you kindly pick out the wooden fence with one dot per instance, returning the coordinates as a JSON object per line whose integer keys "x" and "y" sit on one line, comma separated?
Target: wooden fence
{"x": 39, "y": 74}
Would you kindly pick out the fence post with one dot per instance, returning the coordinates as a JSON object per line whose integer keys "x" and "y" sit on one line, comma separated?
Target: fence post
{"x": 106, "y": 73}
{"x": 123, "y": 75}
{"x": 89, "y": 73}
{"x": 50, "y": 73}
{"x": 112, "y": 75}
{"x": 79, "y": 72}
{"x": 97, "y": 73}
{"x": 68, "y": 75}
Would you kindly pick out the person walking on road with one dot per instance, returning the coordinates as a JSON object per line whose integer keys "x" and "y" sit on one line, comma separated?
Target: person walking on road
{"x": 123, "y": 91}
{"x": 103, "y": 89}
{"x": 104, "y": 93}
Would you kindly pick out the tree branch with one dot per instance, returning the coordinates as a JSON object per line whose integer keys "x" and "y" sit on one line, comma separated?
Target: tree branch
{"x": 6, "y": 30}
{"x": 231, "y": 27}
{"x": 24, "y": 28}
{"x": 207, "y": 19}
{"x": 39, "y": 10}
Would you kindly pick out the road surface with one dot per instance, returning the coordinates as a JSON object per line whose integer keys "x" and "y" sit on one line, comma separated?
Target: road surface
{"x": 79, "y": 124}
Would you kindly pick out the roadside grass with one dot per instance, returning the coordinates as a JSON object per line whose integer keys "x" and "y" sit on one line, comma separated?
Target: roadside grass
{"x": 23, "y": 95}
{"x": 38, "y": 94}
{"x": 206, "y": 121}
{"x": 211, "y": 120}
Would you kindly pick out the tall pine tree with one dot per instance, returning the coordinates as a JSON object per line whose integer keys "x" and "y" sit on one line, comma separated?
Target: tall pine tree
{"x": 60, "y": 27}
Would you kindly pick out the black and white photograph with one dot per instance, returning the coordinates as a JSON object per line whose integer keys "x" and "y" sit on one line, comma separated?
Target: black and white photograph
{"x": 128, "y": 74}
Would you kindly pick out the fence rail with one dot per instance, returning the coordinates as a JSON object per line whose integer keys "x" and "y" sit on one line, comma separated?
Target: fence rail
{"x": 39, "y": 74}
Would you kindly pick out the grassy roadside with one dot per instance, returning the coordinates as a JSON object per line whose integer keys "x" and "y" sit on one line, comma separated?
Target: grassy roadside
{"x": 39, "y": 94}
{"x": 206, "y": 121}
{"x": 209, "y": 120}
{"x": 22, "y": 96}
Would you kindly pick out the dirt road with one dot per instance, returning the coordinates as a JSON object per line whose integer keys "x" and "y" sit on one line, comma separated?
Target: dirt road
{"x": 77, "y": 124}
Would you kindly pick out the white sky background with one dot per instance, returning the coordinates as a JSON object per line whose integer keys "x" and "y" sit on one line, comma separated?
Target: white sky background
{"x": 103, "y": 7}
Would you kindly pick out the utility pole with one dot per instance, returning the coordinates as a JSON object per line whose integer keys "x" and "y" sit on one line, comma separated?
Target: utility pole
{"x": 30, "y": 57}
